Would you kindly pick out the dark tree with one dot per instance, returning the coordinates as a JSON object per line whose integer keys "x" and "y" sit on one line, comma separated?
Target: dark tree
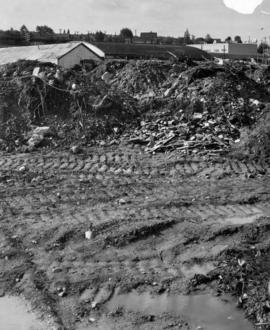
{"x": 228, "y": 39}
{"x": 44, "y": 30}
{"x": 180, "y": 41}
{"x": 263, "y": 47}
{"x": 208, "y": 39}
{"x": 238, "y": 39}
{"x": 187, "y": 38}
{"x": 168, "y": 40}
{"x": 200, "y": 40}
{"x": 12, "y": 37}
{"x": 117, "y": 38}
{"x": 99, "y": 36}
{"x": 126, "y": 33}
{"x": 108, "y": 38}
{"x": 23, "y": 29}
{"x": 25, "y": 34}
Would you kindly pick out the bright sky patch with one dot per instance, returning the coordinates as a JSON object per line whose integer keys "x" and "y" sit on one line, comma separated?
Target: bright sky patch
{"x": 243, "y": 6}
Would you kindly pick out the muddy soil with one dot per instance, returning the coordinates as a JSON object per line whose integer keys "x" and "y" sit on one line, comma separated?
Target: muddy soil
{"x": 78, "y": 232}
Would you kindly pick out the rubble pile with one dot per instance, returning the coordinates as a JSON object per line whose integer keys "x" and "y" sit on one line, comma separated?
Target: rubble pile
{"x": 206, "y": 108}
{"x": 162, "y": 105}
{"x": 141, "y": 77}
{"x": 197, "y": 134}
{"x": 67, "y": 100}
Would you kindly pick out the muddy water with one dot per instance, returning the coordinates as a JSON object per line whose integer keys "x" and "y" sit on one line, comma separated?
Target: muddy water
{"x": 206, "y": 311}
{"x": 14, "y": 315}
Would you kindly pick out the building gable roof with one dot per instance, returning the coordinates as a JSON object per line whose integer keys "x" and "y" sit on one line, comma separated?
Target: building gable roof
{"x": 44, "y": 53}
{"x": 93, "y": 49}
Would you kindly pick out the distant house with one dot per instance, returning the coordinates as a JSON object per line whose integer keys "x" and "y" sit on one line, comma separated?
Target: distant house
{"x": 149, "y": 37}
{"x": 232, "y": 50}
{"x": 65, "y": 55}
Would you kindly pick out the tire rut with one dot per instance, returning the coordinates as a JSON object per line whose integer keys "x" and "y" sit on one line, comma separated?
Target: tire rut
{"x": 127, "y": 164}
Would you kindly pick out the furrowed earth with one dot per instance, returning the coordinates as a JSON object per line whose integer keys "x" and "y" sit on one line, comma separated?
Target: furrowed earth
{"x": 157, "y": 217}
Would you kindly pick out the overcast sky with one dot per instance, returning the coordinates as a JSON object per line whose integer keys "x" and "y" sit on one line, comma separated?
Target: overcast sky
{"x": 167, "y": 17}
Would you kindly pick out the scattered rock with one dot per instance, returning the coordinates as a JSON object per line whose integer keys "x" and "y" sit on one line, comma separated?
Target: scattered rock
{"x": 75, "y": 149}
{"x": 22, "y": 169}
{"x": 88, "y": 234}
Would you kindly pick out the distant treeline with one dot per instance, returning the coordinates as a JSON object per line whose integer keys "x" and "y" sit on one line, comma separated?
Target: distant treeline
{"x": 11, "y": 38}
{"x": 16, "y": 38}
{"x": 44, "y": 34}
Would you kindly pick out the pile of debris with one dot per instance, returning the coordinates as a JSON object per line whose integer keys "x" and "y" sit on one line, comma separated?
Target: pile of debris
{"x": 140, "y": 78}
{"x": 206, "y": 108}
{"x": 162, "y": 105}
{"x": 198, "y": 134}
{"x": 66, "y": 100}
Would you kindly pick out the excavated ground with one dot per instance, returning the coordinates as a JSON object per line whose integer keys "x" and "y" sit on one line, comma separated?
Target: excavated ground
{"x": 160, "y": 224}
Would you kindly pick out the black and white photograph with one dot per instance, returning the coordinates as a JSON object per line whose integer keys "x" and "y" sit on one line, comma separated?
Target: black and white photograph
{"x": 134, "y": 164}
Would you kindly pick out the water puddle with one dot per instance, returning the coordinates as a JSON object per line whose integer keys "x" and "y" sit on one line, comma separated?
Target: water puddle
{"x": 14, "y": 315}
{"x": 190, "y": 270}
{"x": 206, "y": 311}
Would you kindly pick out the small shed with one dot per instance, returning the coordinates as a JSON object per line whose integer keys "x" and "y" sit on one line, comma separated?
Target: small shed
{"x": 65, "y": 55}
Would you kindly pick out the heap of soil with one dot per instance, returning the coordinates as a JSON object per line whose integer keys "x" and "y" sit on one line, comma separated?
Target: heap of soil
{"x": 203, "y": 105}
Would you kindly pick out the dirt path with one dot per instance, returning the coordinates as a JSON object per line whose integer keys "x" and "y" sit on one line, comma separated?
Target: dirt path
{"x": 155, "y": 222}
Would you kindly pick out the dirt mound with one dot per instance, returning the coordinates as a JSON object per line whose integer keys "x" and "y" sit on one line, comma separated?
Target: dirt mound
{"x": 146, "y": 77}
{"x": 142, "y": 77}
{"x": 38, "y": 94}
{"x": 203, "y": 109}
{"x": 190, "y": 108}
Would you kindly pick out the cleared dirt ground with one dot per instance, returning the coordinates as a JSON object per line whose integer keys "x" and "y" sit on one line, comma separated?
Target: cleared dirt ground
{"x": 156, "y": 221}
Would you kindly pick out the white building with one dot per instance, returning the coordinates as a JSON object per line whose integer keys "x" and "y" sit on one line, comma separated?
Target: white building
{"x": 234, "y": 49}
{"x": 65, "y": 55}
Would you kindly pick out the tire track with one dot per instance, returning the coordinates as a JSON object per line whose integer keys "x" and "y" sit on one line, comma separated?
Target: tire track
{"x": 127, "y": 164}
{"x": 82, "y": 213}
